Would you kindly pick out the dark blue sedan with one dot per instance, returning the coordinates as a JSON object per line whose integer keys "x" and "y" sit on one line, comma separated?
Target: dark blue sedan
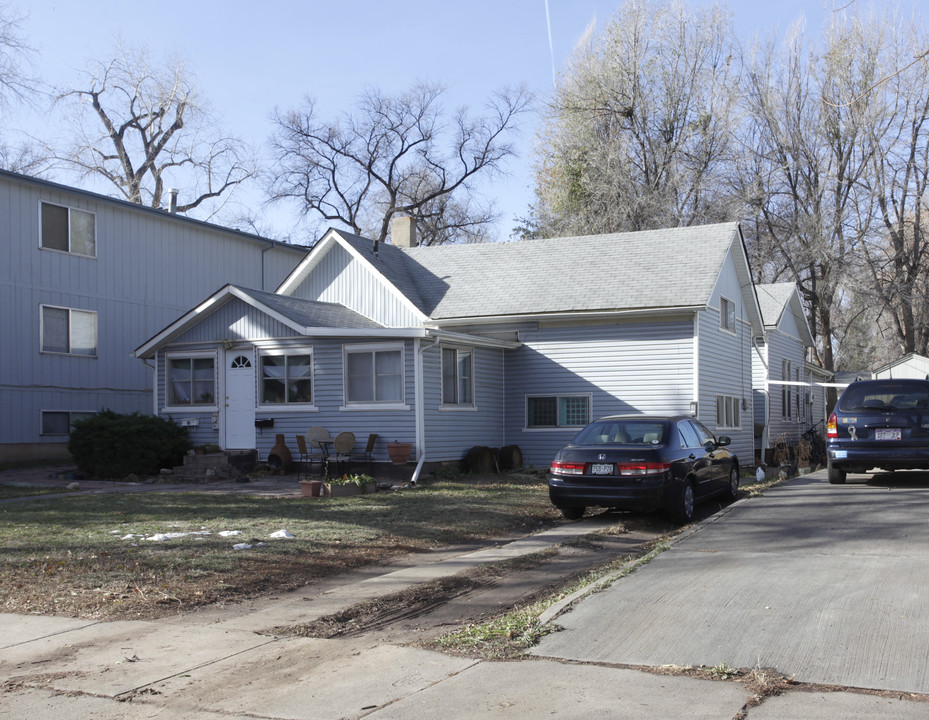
{"x": 642, "y": 462}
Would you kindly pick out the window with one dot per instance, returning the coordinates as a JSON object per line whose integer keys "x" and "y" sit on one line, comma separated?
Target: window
{"x": 72, "y": 332}
{"x": 785, "y": 390}
{"x": 457, "y": 376}
{"x": 557, "y": 411}
{"x": 726, "y": 314}
{"x": 191, "y": 380}
{"x": 798, "y": 395}
{"x": 60, "y": 423}
{"x": 68, "y": 230}
{"x": 728, "y": 412}
{"x": 373, "y": 374}
{"x": 287, "y": 378}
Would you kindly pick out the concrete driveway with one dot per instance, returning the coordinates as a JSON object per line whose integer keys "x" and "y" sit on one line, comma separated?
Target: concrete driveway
{"x": 822, "y": 583}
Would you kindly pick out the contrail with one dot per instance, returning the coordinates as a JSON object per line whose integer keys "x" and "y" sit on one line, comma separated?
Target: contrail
{"x": 551, "y": 49}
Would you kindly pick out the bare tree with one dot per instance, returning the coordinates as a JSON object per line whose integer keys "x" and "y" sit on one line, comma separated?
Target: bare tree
{"x": 639, "y": 133}
{"x": 396, "y": 155}
{"x": 16, "y": 85}
{"x": 809, "y": 158}
{"x": 142, "y": 129}
{"x": 896, "y": 253}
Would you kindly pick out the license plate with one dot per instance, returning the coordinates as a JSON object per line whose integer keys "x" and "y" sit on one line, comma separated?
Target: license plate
{"x": 887, "y": 434}
{"x": 601, "y": 469}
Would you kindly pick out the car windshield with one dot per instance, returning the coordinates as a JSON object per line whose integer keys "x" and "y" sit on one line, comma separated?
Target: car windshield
{"x": 622, "y": 432}
{"x": 886, "y": 397}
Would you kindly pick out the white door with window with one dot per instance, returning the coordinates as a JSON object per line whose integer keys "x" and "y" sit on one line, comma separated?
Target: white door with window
{"x": 239, "y": 410}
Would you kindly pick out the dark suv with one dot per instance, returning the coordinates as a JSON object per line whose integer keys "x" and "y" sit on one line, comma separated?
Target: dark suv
{"x": 879, "y": 424}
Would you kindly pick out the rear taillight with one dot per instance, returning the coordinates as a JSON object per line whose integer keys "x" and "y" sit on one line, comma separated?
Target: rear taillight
{"x": 642, "y": 468}
{"x": 832, "y": 428}
{"x": 564, "y": 467}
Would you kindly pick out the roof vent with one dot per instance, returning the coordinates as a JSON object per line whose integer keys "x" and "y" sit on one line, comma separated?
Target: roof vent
{"x": 172, "y": 200}
{"x": 403, "y": 232}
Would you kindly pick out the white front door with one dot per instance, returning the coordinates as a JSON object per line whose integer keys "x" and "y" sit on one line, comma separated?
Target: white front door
{"x": 239, "y": 420}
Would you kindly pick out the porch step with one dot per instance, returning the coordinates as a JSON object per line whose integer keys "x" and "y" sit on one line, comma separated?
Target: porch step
{"x": 211, "y": 467}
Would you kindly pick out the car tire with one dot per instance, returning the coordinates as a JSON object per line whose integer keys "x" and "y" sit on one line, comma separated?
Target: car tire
{"x": 836, "y": 475}
{"x": 683, "y": 509}
{"x": 573, "y": 512}
{"x": 732, "y": 489}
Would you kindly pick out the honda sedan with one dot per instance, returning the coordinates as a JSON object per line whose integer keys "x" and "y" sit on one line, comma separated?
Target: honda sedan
{"x": 639, "y": 462}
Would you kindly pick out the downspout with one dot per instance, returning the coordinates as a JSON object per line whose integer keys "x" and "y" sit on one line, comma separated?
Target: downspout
{"x": 154, "y": 384}
{"x": 420, "y": 409}
{"x": 270, "y": 247}
{"x": 767, "y": 398}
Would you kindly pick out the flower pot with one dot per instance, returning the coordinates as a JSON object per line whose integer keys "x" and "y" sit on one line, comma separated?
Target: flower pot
{"x": 334, "y": 490}
{"x": 311, "y": 488}
{"x": 399, "y": 452}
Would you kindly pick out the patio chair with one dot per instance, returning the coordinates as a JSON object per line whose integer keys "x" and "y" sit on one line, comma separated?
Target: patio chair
{"x": 304, "y": 456}
{"x": 367, "y": 455}
{"x": 343, "y": 445}
{"x": 318, "y": 442}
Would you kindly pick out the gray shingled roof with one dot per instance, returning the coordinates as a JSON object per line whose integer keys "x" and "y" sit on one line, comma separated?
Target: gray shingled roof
{"x": 773, "y": 298}
{"x": 652, "y": 269}
{"x": 311, "y": 313}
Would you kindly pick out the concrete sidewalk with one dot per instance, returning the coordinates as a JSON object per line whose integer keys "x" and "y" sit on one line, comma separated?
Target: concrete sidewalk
{"x": 225, "y": 662}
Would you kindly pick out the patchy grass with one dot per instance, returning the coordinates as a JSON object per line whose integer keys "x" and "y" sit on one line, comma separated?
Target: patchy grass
{"x": 89, "y": 556}
{"x": 8, "y": 492}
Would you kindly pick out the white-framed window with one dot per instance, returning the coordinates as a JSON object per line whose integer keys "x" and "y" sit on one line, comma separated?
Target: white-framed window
{"x": 68, "y": 230}
{"x": 190, "y": 380}
{"x": 726, "y": 314}
{"x": 786, "y": 367}
{"x": 61, "y": 422}
{"x": 458, "y": 377}
{"x": 68, "y": 331}
{"x": 798, "y": 395}
{"x": 728, "y": 412}
{"x": 557, "y": 411}
{"x": 373, "y": 374}
{"x": 286, "y": 376}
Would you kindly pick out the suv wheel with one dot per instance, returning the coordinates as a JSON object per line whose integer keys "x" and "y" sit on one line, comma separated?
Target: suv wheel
{"x": 572, "y": 513}
{"x": 836, "y": 475}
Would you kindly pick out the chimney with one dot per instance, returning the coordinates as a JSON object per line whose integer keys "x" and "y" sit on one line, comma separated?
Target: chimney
{"x": 172, "y": 200}
{"x": 403, "y": 232}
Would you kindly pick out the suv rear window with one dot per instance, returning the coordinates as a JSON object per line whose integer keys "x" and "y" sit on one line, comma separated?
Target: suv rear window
{"x": 886, "y": 396}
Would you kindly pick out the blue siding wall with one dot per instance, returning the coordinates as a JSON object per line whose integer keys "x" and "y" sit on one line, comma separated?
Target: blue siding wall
{"x": 636, "y": 367}
{"x": 150, "y": 268}
{"x": 451, "y": 432}
{"x": 339, "y": 278}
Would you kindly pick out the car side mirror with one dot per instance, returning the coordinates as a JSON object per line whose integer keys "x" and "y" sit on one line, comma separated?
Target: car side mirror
{"x": 723, "y": 440}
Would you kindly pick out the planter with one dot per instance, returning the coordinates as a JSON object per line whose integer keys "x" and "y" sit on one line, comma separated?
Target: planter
{"x": 311, "y": 488}
{"x": 369, "y": 488}
{"x": 399, "y": 452}
{"x": 333, "y": 490}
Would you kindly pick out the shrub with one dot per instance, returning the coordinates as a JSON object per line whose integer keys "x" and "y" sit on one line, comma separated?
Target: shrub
{"x": 110, "y": 445}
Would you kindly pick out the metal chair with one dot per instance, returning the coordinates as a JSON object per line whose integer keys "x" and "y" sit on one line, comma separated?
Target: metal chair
{"x": 367, "y": 455}
{"x": 318, "y": 442}
{"x": 302, "y": 451}
{"x": 343, "y": 445}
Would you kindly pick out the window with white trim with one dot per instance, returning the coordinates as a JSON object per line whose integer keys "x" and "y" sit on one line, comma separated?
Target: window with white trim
{"x": 373, "y": 374}
{"x": 557, "y": 411}
{"x": 68, "y": 230}
{"x": 785, "y": 390}
{"x": 69, "y": 331}
{"x": 191, "y": 380}
{"x": 728, "y": 412}
{"x": 61, "y": 422}
{"x": 286, "y": 377}
{"x": 726, "y": 314}
{"x": 457, "y": 376}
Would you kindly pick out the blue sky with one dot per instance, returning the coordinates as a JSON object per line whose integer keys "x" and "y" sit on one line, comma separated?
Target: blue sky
{"x": 250, "y": 58}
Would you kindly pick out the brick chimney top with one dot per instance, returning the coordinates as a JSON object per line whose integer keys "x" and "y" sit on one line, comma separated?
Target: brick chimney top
{"x": 403, "y": 232}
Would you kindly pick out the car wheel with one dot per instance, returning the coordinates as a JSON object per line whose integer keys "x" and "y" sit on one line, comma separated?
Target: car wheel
{"x": 836, "y": 475}
{"x": 732, "y": 491}
{"x": 573, "y": 512}
{"x": 683, "y": 510}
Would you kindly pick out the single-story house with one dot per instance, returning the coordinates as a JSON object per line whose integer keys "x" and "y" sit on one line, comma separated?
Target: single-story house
{"x": 449, "y": 347}
{"x": 789, "y": 390}
{"x": 911, "y": 365}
